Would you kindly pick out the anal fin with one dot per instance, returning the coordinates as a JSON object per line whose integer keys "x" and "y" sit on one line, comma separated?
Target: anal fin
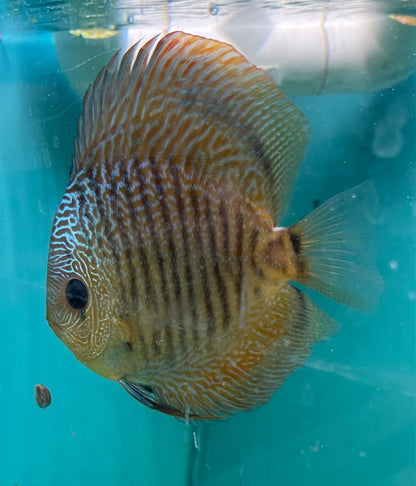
{"x": 300, "y": 324}
{"x": 277, "y": 340}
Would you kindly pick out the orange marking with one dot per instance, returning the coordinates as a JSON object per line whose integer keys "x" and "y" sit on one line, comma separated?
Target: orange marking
{"x": 404, "y": 19}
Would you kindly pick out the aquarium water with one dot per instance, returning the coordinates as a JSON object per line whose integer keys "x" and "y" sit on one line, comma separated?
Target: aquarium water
{"x": 346, "y": 417}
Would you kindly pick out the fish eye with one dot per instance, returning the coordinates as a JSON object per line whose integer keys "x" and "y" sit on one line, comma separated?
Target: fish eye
{"x": 76, "y": 294}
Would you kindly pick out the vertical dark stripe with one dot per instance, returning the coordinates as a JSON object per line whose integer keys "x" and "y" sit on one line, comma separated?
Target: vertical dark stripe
{"x": 156, "y": 341}
{"x": 202, "y": 264}
{"x": 164, "y": 311}
{"x": 155, "y": 239}
{"x": 84, "y": 217}
{"x": 139, "y": 244}
{"x": 254, "y": 236}
{"x": 122, "y": 227}
{"x": 239, "y": 253}
{"x": 170, "y": 348}
{"x": 177, "y": 187}
{"x": 161, "y": 192}
{"x": 295, "y": 240}
{"x": 225, "y": 229}
{"x": 131, "y": 246}
{"x": 221, "y": 288}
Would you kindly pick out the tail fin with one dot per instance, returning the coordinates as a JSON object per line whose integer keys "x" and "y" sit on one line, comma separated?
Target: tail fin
{"x": 336, "y": 242}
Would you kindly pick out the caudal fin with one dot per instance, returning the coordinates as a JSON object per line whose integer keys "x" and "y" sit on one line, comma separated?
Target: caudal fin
{"x": 337, "y": 244}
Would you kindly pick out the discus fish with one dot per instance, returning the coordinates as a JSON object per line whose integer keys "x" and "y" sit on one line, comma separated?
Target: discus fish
{"x": 166, "y": 270}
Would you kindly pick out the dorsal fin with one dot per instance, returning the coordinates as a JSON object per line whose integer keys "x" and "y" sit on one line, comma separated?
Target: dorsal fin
{"x": 201, "y": 104}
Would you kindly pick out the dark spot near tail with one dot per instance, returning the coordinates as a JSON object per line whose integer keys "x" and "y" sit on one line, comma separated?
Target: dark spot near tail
{"x": 129, "y": 345}
{"x": 316, "y": 203}
{"x": 295, "y": 240}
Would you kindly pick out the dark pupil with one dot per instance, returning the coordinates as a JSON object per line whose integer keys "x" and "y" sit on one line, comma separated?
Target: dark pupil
{"x": 76, "y": 294}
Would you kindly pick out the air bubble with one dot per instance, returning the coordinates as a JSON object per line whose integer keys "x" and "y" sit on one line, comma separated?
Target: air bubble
{"x": 393, "y": 264}
{"x": 316, "y": 446}
{"x": 196, "y": 441}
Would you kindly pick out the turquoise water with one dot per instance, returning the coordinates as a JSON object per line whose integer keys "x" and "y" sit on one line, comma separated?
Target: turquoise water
{"x": 345, "y": 418}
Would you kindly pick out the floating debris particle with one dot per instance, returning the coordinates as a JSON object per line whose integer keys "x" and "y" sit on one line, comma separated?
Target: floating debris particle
{"x": 96, "y": 33}
{"x": 393, "y": 264}
{"x": 43, "y": 396}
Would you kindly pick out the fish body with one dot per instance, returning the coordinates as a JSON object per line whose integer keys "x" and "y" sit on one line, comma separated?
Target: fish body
{"x": 166, "y": 271}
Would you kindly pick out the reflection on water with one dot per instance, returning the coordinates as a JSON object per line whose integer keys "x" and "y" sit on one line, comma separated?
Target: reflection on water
{"x": 107, "y": 14}
{"x": 307, "y": 47}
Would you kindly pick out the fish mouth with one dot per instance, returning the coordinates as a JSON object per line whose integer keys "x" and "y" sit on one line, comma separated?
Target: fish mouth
{"x": 145, "y": 395}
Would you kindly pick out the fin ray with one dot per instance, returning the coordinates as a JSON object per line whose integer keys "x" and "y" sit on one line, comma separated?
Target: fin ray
{"x": 278, "y": 340}
{"x": 336, "y": 243}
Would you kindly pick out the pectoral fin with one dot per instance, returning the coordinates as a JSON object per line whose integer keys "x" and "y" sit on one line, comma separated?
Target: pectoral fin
{"x": 145, "y": 395}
